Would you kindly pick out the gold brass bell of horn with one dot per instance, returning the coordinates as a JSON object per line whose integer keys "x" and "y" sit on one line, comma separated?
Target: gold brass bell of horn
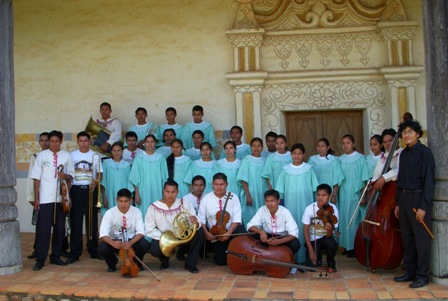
{"x": 98, "y": 136}
{"x": 183, "y": 233}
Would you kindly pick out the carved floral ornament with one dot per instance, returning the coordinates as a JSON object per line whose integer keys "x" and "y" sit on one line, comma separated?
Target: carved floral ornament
{"x": 369, "y": 95}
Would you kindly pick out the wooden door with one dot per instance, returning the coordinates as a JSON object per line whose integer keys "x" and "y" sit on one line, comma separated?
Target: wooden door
{"x": 308, "y": 127}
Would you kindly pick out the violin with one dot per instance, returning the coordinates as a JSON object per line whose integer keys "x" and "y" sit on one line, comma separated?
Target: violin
{"x": 326, "y": 214}
{"x": 245, "y": 255}
{"x": 129, "y": 268}
{"x": 222, "y": 218}
{"x": 64, "y": 190}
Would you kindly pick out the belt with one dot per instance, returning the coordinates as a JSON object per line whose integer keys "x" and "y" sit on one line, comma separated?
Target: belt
{"x": 410, "y": 190}
{"x": 81, "y": 186}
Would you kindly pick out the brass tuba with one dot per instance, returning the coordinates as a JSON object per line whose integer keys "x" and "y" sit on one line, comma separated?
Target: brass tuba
{"x": 98, "y": 136}
{"x": 183, "y": 233}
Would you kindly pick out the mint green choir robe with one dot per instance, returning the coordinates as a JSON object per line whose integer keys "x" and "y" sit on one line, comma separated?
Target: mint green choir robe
{"x": 181, "y": 167}
{"x": 327, "y": 169}
{"x": 371, "y": 160}
{"x": 201, "y": 168}
{"x": 115, "y": 177}
{"x": 230, "y": 169}
{"x": 354, "y": 169}
{"x": 205, "y": 127}
{"x": 298, "y": 184}
{"x": 149, "y": 173}
{"x": 274, "y": 165}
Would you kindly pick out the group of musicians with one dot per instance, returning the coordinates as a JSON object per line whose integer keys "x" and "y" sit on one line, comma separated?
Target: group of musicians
{"x": 272, "y": 224}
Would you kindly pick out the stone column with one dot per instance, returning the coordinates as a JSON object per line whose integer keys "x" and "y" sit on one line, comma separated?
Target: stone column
{"x": 435, "y": 22}
{"x": 10, "y": 250}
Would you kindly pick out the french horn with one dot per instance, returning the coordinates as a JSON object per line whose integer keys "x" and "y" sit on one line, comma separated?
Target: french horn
{"x": 183, "y": 233}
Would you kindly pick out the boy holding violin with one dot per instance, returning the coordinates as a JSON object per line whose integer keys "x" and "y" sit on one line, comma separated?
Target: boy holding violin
{"x": 320, "y": 220}
{"x": 114, "y": 221}
{"x": 274, "y": 224}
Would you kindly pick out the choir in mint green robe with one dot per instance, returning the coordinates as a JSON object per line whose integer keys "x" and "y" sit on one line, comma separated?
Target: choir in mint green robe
{"x": 354, "y": 169}
{"x": 115, "y": 177}
{"x": 230, "y": 169}
{"x": 149, "y": 173}
{"x": 181, "y": 167}
{"x": 202, "y": 168}
{"x": 371, "y": 160}
{"x": 274, "y": 165}
{"x": 189, "y": 128}
{"x": 298, "y": 184}
{"x": 250, "y": 172}
{"x": 242, "y": 151}
{"x": 327, "y": 169}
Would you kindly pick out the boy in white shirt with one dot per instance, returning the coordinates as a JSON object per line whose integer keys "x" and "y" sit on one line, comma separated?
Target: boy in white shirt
{"x": 131, "y": 151}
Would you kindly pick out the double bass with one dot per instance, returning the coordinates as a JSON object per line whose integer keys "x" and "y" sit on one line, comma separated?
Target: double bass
{"x": 378, "y": 241}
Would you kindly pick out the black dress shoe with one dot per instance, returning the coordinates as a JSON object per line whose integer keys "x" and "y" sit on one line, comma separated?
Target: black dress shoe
{"x": 65, "y": 254}
{"x": 180, "y": 257}
{"x": 419, "y": 282}
{"x": 111, "y": 269}
{"x": 351, "y": 254}
{"x": 164, "y": 266}
{"x": 404, "y": 278}
{"x": 32, "y": 256}
{"x": 39, "y": 265}
{"x": 57, "y": 261}
{"x": 71, "y": 260}
{"x": 193, "y": 270}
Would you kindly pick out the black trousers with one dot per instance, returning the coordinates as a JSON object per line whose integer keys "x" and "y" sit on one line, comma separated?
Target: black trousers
{"x": 45, "y": 221}
{"x": 193, "y": 247}
{"x": 219, "y": 248}
{"x": 329, "y": 245}
{"x": 81, "y": 210}
{"x": 108, "y": 252}
{"x": 294, "y": 244}
{"x": 416, "y": 240}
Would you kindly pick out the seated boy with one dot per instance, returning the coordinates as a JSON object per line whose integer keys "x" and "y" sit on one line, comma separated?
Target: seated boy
{"x": 274, "y": 224}
{"x": 315, "y": 231}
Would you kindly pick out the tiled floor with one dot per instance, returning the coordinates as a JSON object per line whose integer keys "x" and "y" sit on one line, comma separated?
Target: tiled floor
{"x": 88, "y": 278}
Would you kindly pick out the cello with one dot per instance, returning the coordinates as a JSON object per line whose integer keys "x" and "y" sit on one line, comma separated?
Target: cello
{"x": 378, "y": 241}
{"x": 245, "y": 255}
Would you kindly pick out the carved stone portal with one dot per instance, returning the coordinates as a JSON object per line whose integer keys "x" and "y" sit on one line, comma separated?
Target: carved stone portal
{"x": 304, "y": 55}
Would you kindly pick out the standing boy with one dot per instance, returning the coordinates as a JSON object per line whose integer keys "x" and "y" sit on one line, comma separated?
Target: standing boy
{"x": 170, "y": 115}
{"x": 142, "y": 128}
{"x": 111, "y": 124}
{"x": 131, "y": 150}
{"x": 242, "y": 149}
{"x": 415, "y": 191}
{"x": 51, "y": 165}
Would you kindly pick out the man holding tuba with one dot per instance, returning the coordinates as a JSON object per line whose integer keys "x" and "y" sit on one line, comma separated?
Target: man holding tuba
{"x": 171, "y": 222}
{"x": 111, "y": 124}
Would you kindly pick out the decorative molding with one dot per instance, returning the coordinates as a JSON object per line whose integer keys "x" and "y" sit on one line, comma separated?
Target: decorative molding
{"x": 246, "y": 38}
{"x": 400, "y": 31}
{"x": 369, "y": 95}
{"x": 308, "y": 14}
{"x": 324, "y": 44}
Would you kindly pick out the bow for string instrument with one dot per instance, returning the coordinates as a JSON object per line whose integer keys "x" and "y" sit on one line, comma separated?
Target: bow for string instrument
{"x": 222, "y": 218}
{"x": 378, "y": 241}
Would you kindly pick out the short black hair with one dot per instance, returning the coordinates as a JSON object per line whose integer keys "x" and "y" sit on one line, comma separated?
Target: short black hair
{"x": 117, "y": 143}
{"x": 271, "y": 134}
{"x": 141, "y": 109}
{"x": 325, "y": 187}
{"x": 198, "y": 132}
{"x": 272, "y": 192}
{"x": 170, "y": 182}
{"x": 298, "y": 146}
{"x": 390, "y": 132}
{"x": 238, "y": 128}
{"x": 198, "y": 178}
{"x": 171, "y": 109}
{"x": 131, "y": 134}
{"x": 83, "y": 134}
{"x": 255, "y": 139}
{"x": 55, "y": 133}
{"x": 43, "y": 134}
{"x": 105, "y": 104}
{"x": 124, "y": 192}
{"x": 220, "y": 176}
{"x": 413, "y": 124}
{"x": 198, "y": 108}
